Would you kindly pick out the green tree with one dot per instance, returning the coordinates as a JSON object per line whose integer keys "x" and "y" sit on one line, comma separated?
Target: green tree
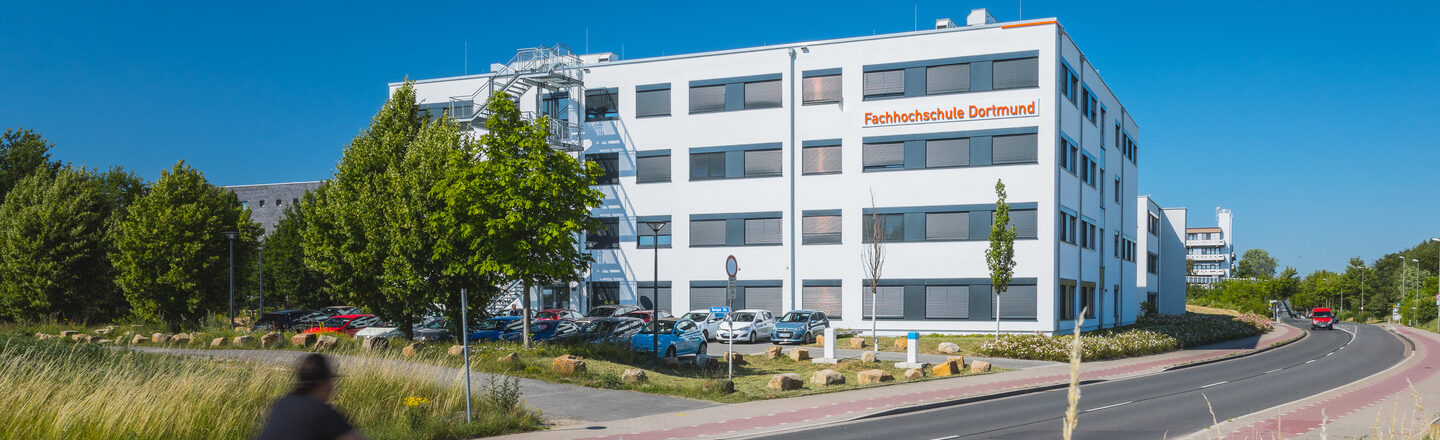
{"x": 286, "y": 276}
{"x": 519, "y": 213}
{"x": 171, "y": 254}
{"x": 1255, "y": 263}
{"x": 22, "y": 152}
{"x": 367, "y": 232}
{"x": 1000, "y": 257}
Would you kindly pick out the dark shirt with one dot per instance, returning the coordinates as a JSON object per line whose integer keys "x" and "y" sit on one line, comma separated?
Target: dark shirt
{"x": 300, "y": 417}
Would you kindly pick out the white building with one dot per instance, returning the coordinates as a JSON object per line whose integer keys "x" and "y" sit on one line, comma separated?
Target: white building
{"x": 771, "y": 154}
{"x": 1161, "y": 274}
{"x": 1212, "y": 249}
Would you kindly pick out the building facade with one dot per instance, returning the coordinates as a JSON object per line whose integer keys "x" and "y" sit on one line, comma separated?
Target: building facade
{"x": 787, "y": 156}
{"x": 1161, "y": 271}
{"x": 267, "y": 202}
{"x": 1212, "y": 249}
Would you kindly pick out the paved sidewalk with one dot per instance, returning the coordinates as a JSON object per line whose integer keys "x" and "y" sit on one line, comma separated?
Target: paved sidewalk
{"x": 1383, "y": 405}
{"x": 717, "y": 349}
{"x": 752, "y": 418}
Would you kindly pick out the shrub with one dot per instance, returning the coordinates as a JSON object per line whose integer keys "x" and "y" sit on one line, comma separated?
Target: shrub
{"x": 1149, "y": 335}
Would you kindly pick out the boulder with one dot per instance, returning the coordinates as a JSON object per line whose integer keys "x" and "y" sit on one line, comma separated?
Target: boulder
{"x": 510, "y": 358}
{"x": 786, "y": 382}
{"x": 914, "y": 373}
{"x": 873, "y": 376}
{"x": 455, "y": 350}
{"x": 182, "y": 339}
{"x": 773, "y": 352}
{"x": 303, "y": 340}
{"x": 102, "y": 331}
{"x": 104, "y": 341}
{"x": 857, "y": 343}
{"x": 67, "y": 334}
{"x": 242, "y": 329}
{"x": 736, "y": 358}
{"x": 138, "y": 339}
{"x": 326, "y": 342}
{"x": 958, "y": 360}
{"x": 243, "y": 340}
{"x": 820, "y": 339}
{"x": 634, "y": 375}
{"x": 412, "y": 349}
{"x": 567, "y": 365}
{"x": 374, "y": 343}
{"x": 868, "y": 356}
{"x": 718, "y": 386}
{"x": 44, "y": 337}
{"x": 947, "y": 368}
{"x": 799, "y": 354}
{"x": 900, "y": 343}
{"x": 271, "y": 339}
{"x": 80, "y": 337}
{"x": 706, "y": 362}
{"x": 979, "y": 367}
{"x": 827, "y": 378}
{"x": 948, "y": 348}
{"x": 217, "y": 342}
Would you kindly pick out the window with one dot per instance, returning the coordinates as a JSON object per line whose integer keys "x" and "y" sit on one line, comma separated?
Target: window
{"x": 608, "y": 236}
{"x": 602, "y": 105}
{"x": 610, "y": 164}
{"x": 707, "y": 233}
{"x": 762, "y": 163}
{"x": 1087, "y": 104}
{"x": 767, "y": 298}
{"x": 1087, "y": 235}
{"x": 707, "y": 98}
{"x": 947, "y": 302}
{"x": 884, "y": 83}
{"x": 704, "y": 166}
{"x": 762, "y": 231}
{"x": 646, "y": 237}
{"x": 1016, "y": 73}
{"x": 706, "y": 297}
{"x": 941, "y": 153}
{"x": 654, "y": 168}
{"x": 762, "y": 94}
{"x": 1092, "y": 106}
{"x": 647, "y": 293}
{"x": 1026, "y": 223}
{"x": 1087, "y": 301}
{"x": 1117, "y": 190}
{"x": 883, "y": 155}
{"x": 1102, "y": 128}
{"x": 891, "y": 225}
{"x": 1153, "y": 225}
{"x": 1018, "y": 302}
{"x": 1152, "y": 263}
{"x": 1069, "y": 84}
{"x": 652, "y": 102}
{"x": 1015, "y": 148}
{"x": 556, "y": 105}
{"x": 1067, "y": 301}
{"x": 821, "y": 89}
{"x": 947, "y": 226}
{"x": 279, "y": 202}
{"x": 947, "y": 79}
{"x": 820, "y": 229}
{"x": 1067, "y": 227}
{"x": 1067, "y": 156}
{"x": 824, "y": 299}
{"x": 820, "y": 160}
{"x": 888, "y": 301}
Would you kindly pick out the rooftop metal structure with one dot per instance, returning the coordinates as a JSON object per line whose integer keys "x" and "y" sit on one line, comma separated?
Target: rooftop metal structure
{"x": 543, "y": 69}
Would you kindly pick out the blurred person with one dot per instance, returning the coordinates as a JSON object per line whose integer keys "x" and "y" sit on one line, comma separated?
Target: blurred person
{"x": 304, "y": 413}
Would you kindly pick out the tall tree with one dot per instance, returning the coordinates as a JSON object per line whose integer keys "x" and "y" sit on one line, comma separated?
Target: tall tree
{"x": 1255, "y": 263}
{"x": 1000, "y": 256}
{"x": 519, "y": 212}
{"x": 286, "y": 275}
{"x": 22, "y": 152}
{"x": 171, "y": 254}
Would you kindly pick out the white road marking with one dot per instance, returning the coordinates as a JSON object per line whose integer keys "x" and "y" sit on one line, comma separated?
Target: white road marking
{"x": 1104, "y": 407}
{"x": 1272, "y": 371}
{"x": 1309, "y": 361}
{"x": 1214, "y": 384}
{"x": 947, "y": 438}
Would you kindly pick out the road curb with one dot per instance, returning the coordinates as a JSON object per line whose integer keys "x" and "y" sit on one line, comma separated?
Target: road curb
{"x": 1303, "y": 335}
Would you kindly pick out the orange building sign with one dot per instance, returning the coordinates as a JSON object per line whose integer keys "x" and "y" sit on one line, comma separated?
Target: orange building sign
{"x": 952, "y": 114}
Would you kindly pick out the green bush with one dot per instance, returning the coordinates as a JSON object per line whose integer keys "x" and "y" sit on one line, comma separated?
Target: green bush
{"x": 1149, "y": 335}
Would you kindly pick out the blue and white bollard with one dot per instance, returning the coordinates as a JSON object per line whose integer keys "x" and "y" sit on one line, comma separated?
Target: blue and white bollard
{"x": 912, "y": 350}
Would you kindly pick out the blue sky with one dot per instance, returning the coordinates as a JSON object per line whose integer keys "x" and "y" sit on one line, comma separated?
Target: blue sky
{"x": 1306, "y": 118}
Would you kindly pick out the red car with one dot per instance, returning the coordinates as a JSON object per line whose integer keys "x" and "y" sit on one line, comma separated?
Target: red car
{"x": 347, "y": 324}
{"x": 1322, "y": 318}
{"x": 554, "y": 314}
{"x": 647, "y": 315}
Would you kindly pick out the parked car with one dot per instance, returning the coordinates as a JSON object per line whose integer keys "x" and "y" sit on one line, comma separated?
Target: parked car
{"x": 334, "y": 311}
{"x": 607, "y": 311}
{"x": 540, "y": 331}
{"x": 389, "y": 330}
{"x": 550, "y": 314}
{"x": 749, "y": 325}
{"x": 800, "y": 326}
{"x": 648, "y": 315}
{"x": 607, "y": 331}
{"x": 347, "y": 324}
{"x": 709, "y": 322}
{"x": 436, "y": 329}
{"x": 672, "y": 337}
{"x": 1322, "y": 318}
{"x": 291, "y": 320}
{"x": 490, "y": 329}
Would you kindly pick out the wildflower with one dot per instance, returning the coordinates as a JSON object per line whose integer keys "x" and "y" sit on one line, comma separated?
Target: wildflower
{"x": 416, "y": 401}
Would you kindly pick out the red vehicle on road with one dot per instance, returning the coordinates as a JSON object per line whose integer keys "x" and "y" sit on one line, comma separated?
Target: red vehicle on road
{"x": 1322, "y": 318}
{"x": 347, "y": 324}
{"x": 554, "y": 314}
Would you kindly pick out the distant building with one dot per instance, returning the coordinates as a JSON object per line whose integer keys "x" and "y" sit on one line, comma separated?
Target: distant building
{"x": 1212, "y": 249}
{"x": 1160, "y": 274}
{"x": 267, "y": 202}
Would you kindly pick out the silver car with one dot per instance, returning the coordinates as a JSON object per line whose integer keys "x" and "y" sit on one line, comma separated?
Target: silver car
{"x": 709, "y": 322}
{"x": 747, "y": 325}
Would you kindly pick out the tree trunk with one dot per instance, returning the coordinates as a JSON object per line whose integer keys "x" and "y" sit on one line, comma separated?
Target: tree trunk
{"x": 407, "y": 326}
{"x": 873, "y": 334}
{"x": 525, "y": 311}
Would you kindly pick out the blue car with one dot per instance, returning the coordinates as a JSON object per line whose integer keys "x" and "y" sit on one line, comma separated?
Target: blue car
{"x": 490, "y": 329}
{"x": 800, "y": 326}
{"x": 540, "y": 331}
{"x": 677, "y": 337}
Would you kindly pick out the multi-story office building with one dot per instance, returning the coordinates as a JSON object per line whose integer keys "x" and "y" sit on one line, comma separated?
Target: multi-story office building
{"x": 784, "y": 156}
{"x": 1161, "y": 274}
{"x": 1212, "y": 249}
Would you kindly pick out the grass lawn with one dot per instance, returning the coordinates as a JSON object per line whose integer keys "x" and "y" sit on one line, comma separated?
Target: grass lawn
{"x": 969, "y": 344}
{"x": 1210, "y": 310}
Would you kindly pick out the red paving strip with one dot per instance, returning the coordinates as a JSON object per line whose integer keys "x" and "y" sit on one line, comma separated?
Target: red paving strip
{"x": 1339, "y": 405}
{"x": 819, "y": 412}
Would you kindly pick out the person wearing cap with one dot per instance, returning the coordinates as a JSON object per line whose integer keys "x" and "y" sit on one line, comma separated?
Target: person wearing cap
{"x": 305, "y": 413}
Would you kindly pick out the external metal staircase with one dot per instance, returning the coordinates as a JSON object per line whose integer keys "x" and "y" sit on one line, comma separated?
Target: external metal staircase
{"x": 548, "y": 69}
{"x": 508, "y": 296}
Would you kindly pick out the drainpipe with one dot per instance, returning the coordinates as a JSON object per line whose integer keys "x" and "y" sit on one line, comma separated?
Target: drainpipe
{"x": 794, "y": 155}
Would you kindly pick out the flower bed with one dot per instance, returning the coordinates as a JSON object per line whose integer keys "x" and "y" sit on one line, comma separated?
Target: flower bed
{"x": 1149, "y": 335}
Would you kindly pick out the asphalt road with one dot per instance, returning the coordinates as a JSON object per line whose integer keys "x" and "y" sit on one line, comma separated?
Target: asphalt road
{"x": 1169, "y": 404}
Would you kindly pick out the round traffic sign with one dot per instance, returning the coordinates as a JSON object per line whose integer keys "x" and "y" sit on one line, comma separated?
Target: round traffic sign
{"x": 731, "y": 267}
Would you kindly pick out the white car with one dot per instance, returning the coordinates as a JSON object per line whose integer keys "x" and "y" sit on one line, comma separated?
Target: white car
{"x": 749, "y": 325}
{"x": 392, "y": 332}
{"x": 709, "y": 322}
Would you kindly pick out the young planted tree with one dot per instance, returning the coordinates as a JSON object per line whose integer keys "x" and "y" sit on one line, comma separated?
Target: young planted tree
{"x": 1000, "y": 257}
{"x": 518, "y": 212}
{"x": 171, "y": 255}
{"x": 873, "y": 260}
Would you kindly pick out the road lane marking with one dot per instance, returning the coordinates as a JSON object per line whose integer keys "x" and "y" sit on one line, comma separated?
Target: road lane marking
{"x": 1103, "y": 407}
{"x": 947, "y": 438}
{"x": 1309, "y": 361}
{"x": 1214, "y": 384}
{"x": 1272, "y": 371}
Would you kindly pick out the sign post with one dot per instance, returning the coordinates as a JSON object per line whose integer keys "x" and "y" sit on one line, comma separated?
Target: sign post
{"x": 732, "y": 267}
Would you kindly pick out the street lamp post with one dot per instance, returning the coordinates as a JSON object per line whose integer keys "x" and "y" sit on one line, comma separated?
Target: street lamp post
{"x": 260, "y": 277}
{"x": 1404, "y": 279}
{"x": 655, "y": 227}
{"x": 231, "y": 236}
{"x": 589, "y": 275}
